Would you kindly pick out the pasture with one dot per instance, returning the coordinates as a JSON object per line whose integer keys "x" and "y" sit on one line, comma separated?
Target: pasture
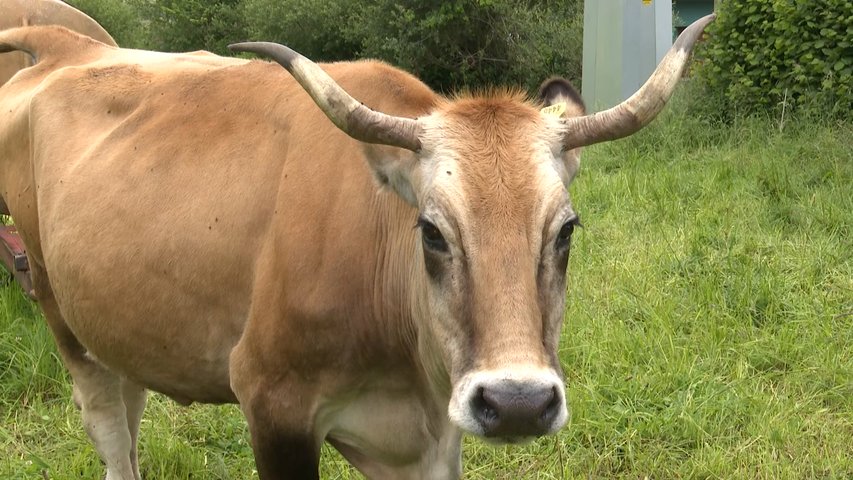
{"x": 708, "y": 331}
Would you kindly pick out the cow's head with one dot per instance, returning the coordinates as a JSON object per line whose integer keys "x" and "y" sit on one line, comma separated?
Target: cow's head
{"x": 489, "y": 177}
{"x": 496, "y": 222}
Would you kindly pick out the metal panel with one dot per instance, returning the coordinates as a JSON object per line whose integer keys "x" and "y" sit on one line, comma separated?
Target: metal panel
{"x": 623, "y": 42}
{"x": 687, "y": 12}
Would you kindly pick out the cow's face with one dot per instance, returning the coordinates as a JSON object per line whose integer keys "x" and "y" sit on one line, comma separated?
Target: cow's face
{"x": 495, "y": 223}
{"x": 488, "y": 176}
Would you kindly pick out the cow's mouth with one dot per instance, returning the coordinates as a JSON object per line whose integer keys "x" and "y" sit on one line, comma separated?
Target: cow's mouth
{"x": 509, "y": 406}
{"x": 508, "y": 440}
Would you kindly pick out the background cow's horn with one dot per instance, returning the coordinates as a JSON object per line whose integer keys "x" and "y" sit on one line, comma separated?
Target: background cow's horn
{"x": 644, "y": 105}
{"x": 355, "y": 119}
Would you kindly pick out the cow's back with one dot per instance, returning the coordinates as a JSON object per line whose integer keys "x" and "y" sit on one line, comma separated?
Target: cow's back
{"x": 169, "y": 186}
{"x": 151, "y": 209}
{"x": 20, "y": 13}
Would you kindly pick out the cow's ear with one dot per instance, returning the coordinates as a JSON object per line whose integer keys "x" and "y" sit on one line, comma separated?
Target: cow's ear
{"x": 560, "y": 97}
{"x": 394, "y": 168}
{"x": 557, "y": 90}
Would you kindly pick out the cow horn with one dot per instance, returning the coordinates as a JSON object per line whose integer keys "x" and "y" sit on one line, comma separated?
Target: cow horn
{"x": 643, "y": 106}
{"x": 355, "y": 119}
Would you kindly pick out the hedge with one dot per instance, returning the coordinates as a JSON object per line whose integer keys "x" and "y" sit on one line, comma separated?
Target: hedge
{"x": 766, "y": 55}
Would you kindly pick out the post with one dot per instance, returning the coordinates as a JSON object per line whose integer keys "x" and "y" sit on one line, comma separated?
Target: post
{"x": 623, "y": 42}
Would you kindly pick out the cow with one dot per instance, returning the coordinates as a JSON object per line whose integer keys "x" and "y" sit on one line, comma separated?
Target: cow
{"x": 346, "y": 254}
{"x": 18, "y": 13}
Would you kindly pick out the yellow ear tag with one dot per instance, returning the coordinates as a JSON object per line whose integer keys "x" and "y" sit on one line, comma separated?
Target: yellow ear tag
{"x": 557, "y": 109}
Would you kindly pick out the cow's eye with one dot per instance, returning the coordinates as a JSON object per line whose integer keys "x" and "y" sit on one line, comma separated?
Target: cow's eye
{"x": 432, "y": 237}
{"x": 564, "y": 237}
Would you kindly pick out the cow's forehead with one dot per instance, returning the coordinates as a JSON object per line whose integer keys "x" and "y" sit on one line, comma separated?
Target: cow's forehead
{"x": 495, "y": 164}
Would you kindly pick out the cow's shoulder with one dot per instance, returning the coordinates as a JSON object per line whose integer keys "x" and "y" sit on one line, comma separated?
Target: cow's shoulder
{"x": 383, "y": 87}
{"x": 50, "y": 48}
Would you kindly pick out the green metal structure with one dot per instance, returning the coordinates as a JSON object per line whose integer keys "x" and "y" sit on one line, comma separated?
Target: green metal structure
{"x": 623, "y": 41}
{"x": 685, "y": 12}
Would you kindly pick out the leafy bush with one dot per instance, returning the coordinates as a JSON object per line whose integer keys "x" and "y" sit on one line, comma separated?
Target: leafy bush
{"x": 763, "y": 53}
{"x": 121, "y": 18}
{"x": 186, "y": 25}
{"x": 314, "y": 28}
{"x": 169, "y": 25}
{"x": 448, "y": 44}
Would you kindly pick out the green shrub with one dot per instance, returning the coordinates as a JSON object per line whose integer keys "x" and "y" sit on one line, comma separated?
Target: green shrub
{"x": 187, "y": 25}
{"x": 448, "y": 44}
{"x": 762, "y": 54}
{"x": 314, "y": 28}
{"x": 121, "y": 18}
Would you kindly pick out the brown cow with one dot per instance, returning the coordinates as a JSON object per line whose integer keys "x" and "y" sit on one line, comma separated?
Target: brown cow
{"x": 19, "y": 13}
{"x": 198, "y": 227}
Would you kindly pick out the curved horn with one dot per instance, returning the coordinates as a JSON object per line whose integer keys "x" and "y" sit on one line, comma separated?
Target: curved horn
{"x": 643, "y": 106}
{"x": 347, "y": 113}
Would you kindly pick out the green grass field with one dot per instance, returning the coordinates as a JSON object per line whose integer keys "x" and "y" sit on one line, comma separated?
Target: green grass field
{"x": 708, "y": 334}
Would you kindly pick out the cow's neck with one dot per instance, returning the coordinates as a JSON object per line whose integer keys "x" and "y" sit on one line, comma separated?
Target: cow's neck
{"x": 402, "y": 305}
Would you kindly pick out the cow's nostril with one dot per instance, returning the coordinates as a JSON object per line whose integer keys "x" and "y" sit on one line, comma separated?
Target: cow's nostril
{"x": 485, "y": 411}
{"x": 552, "y": 409}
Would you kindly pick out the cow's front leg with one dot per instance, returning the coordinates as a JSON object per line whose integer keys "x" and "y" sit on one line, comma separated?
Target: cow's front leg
{"x": 279, "y": 411}
{"x": 281, "y": 455}
{"x": 282, "y": 438}
{"x": 281, "y": 451}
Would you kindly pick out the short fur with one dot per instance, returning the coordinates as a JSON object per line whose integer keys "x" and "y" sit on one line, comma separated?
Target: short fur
{"x": 19, "y": 13}
{"x": 196, "y": 226}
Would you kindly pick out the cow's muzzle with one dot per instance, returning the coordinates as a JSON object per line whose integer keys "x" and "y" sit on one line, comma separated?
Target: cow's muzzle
{"x": 511, "y": 409}
{"x": 509, "y": 405}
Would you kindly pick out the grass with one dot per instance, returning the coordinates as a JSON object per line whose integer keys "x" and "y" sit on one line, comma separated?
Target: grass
{"x": 709, "y": 328}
